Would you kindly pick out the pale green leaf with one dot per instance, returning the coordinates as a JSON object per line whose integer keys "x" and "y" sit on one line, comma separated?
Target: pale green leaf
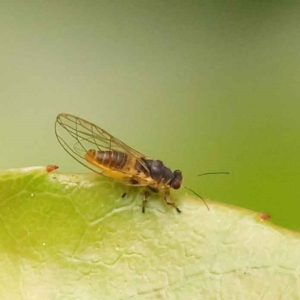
{"x": 74, "y": 237}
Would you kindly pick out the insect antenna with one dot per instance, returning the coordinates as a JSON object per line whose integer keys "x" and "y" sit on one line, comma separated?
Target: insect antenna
{"x": 209, "y": 173}
{"x": 198, "y": 196}
{"x": 213, "y": 173}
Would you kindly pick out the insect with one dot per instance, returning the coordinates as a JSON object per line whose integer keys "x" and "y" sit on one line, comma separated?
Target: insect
{"x": 104, "y": 154}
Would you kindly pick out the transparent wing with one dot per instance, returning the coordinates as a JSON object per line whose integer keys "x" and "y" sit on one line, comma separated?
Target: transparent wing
{"x": 77, "y": 136}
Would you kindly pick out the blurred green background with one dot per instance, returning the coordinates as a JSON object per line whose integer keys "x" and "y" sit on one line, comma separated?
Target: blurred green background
{"x": 202, "y": 85}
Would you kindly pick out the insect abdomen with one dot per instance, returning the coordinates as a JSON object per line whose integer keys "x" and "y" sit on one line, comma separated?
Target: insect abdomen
{"x": 110, "y": 159}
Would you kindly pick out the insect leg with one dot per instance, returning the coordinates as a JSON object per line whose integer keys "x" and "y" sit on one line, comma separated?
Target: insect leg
{"x": 125, "y": 193}
{"x": 166, "y": 196}
{"x": 131, "y": 181}
{"x": 146, "y": 196}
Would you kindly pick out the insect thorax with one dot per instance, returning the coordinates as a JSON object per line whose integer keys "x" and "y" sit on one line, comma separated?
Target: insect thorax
{"x": 158, "y": 171}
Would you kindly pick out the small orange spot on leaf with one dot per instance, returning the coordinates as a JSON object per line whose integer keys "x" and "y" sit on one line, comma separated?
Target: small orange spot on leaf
{"x": 264, "y": 216}
{"x": 51, "y": 168}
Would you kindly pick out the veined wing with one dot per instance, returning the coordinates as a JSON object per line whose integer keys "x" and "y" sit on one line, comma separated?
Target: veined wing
{"x": 77, "y": 136}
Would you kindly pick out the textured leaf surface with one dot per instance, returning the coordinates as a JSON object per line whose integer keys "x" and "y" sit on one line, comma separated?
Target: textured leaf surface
{"x": 74, "y": 237}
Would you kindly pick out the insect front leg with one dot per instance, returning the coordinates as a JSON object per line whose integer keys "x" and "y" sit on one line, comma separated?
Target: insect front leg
{"x": 166, "y": 198}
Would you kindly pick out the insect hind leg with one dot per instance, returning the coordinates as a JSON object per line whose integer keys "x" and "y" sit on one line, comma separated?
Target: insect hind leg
{"x": 166, "y": 196}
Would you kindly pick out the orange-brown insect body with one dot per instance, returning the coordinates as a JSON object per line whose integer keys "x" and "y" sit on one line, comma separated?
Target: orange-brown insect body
{"x": 104, "y": 154}
{"x": 120, "y": 165}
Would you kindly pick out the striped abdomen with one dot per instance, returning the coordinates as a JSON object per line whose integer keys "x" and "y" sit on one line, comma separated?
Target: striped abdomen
{"x": 109, "y": 159}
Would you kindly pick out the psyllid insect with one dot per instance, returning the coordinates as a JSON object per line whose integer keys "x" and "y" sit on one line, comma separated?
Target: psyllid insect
{"x": 104, "y": 154}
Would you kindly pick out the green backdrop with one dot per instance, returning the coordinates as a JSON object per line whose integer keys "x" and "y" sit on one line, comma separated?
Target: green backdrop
{"x": 202, "y": 85}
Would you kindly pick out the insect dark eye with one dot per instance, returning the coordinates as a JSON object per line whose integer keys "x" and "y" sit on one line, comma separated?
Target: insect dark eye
{"x": 177, "y": 180}
{"x": 176, "y": 185}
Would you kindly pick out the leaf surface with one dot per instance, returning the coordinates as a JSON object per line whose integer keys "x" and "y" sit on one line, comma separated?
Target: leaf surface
{"x": 66, "y": 236}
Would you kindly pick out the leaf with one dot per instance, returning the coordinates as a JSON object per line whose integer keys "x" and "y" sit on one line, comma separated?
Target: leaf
{"x": 74, "y": 237}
